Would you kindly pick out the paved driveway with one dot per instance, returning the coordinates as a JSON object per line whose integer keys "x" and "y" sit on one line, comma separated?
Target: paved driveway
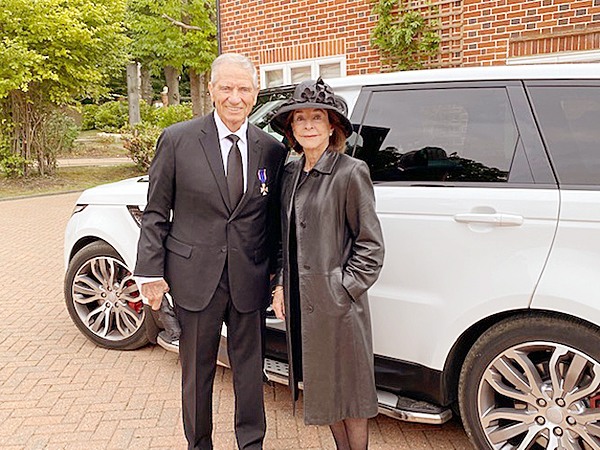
{"x": 59, "y": 391}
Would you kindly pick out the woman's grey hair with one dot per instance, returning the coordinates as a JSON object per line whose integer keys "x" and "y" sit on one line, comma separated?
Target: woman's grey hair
{"x": 233, "y": 58}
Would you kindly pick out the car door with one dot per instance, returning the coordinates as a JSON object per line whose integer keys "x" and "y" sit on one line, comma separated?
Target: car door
{"x": 568, "y": 112}
{"x": 468, "y": 206}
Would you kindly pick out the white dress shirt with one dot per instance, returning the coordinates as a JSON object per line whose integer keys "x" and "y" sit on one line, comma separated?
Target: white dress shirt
{"x": 226, "y": 145}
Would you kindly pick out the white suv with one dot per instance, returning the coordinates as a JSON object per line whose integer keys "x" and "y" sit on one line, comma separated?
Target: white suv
{"x": 488, "y": 190}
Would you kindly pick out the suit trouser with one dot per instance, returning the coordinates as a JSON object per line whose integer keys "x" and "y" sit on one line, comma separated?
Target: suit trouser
{"x": 198, "y": 347}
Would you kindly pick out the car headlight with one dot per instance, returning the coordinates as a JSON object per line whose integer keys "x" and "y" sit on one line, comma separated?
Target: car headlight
{"x": 136, "y": 213}
{"x": 78, "y": 208}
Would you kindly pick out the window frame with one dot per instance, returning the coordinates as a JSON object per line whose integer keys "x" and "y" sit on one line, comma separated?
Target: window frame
{"x": 313, "y": 63}
{"x": 534, "y": 158}
{"x": 570, "y": 83}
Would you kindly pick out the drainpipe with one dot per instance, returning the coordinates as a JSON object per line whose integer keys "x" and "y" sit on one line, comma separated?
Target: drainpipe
{"x": 218, "y": 27}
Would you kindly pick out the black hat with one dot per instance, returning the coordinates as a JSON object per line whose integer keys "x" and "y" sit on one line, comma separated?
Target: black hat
{"x": 315, "y": 95}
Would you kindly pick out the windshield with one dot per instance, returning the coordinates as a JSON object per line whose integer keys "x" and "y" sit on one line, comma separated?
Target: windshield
{"x": 262, "y": 115}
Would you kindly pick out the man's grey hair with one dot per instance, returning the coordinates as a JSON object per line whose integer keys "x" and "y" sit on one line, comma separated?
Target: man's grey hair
{"x": 233, "y": 58}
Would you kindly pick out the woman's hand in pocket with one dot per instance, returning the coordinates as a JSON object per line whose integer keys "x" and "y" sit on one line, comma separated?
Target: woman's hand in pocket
{"x": 278, "y": 303}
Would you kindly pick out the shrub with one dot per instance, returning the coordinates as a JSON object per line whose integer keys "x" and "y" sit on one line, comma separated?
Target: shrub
{"x": 111, "y": 116}
{"x": 140, "y": 142}
{"x": 60, "y": 132}
{"x": 173, "y": 114}
{"x": 88, "y": 119}
{"x": 13, "y": 166}
{"x": 148, "y": 113}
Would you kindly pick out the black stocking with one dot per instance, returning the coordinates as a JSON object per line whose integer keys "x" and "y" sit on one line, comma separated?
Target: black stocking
{"x": 351, "y": 434}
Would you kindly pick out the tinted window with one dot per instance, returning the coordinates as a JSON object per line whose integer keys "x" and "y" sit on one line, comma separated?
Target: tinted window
{"x": 569, "y": 118}
{"x": 439, "y": 135}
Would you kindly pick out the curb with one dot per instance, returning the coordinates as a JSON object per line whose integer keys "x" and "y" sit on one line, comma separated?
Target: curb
{"x": 49, "y": 194}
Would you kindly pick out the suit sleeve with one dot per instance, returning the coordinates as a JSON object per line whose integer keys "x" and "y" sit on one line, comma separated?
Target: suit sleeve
{"x": 156, "y": 220}
{"x": 366, "y": 258}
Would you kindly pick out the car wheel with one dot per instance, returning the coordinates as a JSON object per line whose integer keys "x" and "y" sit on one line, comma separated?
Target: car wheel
{"x": 533, "y": 383}
{"x": 103, "y": 299}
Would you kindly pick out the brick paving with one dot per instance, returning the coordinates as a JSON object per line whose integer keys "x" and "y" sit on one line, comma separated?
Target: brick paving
{"x": 60, "y": 391}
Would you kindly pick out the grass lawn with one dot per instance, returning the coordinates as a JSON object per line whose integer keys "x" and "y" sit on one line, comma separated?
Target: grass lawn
{"x": 66, "y": 179}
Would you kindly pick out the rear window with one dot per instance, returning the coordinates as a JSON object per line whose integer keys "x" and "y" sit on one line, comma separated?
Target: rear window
{"x": 569, "y": 118}
{"x": 451, "y": 135}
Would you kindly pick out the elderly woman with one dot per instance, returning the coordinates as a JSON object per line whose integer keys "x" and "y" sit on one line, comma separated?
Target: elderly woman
{"x": 332, "y": 253}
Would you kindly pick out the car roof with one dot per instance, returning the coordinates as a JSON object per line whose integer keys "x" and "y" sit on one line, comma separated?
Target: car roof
{"x": 349, "y": 86}
{"x": 513, "y": 72}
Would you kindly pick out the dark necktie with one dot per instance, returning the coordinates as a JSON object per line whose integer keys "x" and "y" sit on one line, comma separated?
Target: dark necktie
{"x": 235, "y": 175}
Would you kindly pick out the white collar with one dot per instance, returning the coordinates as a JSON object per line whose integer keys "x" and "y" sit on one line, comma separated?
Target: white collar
{"x": 223, "y": 131}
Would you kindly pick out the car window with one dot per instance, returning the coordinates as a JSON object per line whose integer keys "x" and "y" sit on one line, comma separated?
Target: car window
{"x": 262, "y": 114}
{"x": 569, "y": 118}
{"x": 459, "y": 134}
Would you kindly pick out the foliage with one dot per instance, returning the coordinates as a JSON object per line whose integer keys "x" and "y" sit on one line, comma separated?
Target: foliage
{"x": 88, "y": 113}
{"x": 68, "y": 48}
{"x": 177, "y": 37}
{"x": 51, "y": 52}
{"x": 111, "y": 116}
{"x": 114, "y": 116}
{"x": 57, "y": 135}
{"x": 172, "y": 114}
{"x": 141, "y": 142}
{"x": 172, "y": 33}
{"x": 11, "y": 165}
{"x": 405, "y": 39}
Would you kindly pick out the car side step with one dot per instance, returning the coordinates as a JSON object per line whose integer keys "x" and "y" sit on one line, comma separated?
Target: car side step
{"x": 390, "y": 404}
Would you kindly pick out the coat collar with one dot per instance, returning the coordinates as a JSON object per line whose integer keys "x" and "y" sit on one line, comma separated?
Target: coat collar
{"x": 326, "y": 162}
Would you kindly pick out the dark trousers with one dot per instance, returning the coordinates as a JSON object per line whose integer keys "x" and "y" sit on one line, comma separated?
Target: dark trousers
{"x": 198, "y": 347}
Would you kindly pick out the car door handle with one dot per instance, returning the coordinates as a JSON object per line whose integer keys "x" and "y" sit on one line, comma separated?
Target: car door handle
{"x": 500, "y": 220}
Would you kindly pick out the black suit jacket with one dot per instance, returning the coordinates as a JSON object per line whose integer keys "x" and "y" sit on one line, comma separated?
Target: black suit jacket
{"x": 189, "y": 230}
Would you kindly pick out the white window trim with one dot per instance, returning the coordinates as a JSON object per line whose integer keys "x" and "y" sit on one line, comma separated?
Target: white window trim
{"x": 561, "y": 57}
{"x": 313, "y": 63}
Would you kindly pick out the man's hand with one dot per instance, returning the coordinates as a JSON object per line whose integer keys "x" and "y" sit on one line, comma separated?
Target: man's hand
{"x": 278, "y": 303}
{"x": 154, "y": 291}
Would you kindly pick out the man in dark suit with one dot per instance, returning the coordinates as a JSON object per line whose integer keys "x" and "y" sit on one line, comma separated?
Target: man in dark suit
{"x": 207, "y": 237}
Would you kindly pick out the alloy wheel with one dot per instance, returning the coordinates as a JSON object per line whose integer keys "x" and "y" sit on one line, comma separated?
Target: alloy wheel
{"x": 541, "y": 395}
{"x": 106, "y": 299}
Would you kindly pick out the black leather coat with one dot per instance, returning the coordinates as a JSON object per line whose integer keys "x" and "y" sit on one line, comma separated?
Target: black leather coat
{"x": 339, "y": 256}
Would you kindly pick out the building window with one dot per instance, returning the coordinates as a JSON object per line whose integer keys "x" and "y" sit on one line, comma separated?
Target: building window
{"x": 294, "y": 72}
{"x": 273, "y": 78}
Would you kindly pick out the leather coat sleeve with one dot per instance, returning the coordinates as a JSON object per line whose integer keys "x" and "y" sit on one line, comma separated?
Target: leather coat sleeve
{"x": 156, "y": 217}
{"x": 366, "y": 258}
{"x": 278, "y": 278}
{"x": 275, "y": 250}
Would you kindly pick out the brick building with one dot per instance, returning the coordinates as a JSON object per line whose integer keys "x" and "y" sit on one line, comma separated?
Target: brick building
{"x": 291, "y": 40}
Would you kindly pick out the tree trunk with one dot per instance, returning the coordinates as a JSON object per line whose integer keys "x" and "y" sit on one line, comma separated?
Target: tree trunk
{"x": 133, "y": 93}
{"x": 201, "y": 102}
{"x": 146, "y": 82}
{"x": 196, "y": 93}
{"x": 207, "y": 101}
{"x": 172, "y": 78}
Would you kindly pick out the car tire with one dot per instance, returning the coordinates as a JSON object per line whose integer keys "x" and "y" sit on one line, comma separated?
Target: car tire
{"x": 103, "y": 300}
{"x": 533, "y": 382}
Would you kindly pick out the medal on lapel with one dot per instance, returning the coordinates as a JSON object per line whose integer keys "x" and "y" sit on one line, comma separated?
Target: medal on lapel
{"x": 262, "y": 177}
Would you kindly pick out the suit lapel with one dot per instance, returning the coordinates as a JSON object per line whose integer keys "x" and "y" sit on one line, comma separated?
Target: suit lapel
{"x": 209, "y": 141}
{"x": 254, "y": 154}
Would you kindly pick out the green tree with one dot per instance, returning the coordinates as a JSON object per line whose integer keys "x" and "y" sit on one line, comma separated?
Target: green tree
{"x": 171, "y": 36}
{"x": 405, "y": 39}
{"x": 53, "y": 52}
